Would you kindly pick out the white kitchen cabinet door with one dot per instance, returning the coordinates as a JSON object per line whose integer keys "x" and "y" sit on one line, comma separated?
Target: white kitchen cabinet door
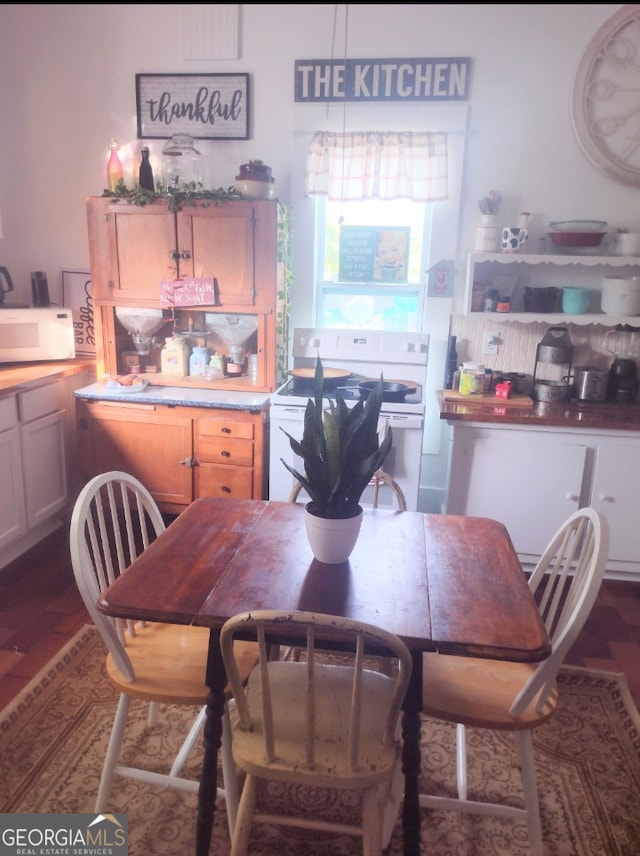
{"x": 531, "y": 485}
{"x": 13, "y": 519}
{"x": 616, "y": 493}
{"x": 43, "y": 464}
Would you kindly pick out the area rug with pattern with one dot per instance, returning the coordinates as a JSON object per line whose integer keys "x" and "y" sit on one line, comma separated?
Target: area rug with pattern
{"x": 53, "y": 738}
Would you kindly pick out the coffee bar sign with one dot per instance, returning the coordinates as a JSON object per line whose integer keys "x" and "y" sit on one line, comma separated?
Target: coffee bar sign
{"x": 430, "y": 79}
{"x": 205, "y": 106}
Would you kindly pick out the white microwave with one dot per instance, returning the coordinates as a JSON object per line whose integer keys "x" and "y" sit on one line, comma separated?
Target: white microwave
{"x": 38, "y": 333}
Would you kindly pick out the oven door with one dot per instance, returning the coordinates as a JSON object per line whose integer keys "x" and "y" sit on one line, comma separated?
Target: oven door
{"x": 402, "y": 463}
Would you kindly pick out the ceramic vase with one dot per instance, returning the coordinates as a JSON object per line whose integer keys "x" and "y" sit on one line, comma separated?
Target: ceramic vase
{"x": 331, "y": 540}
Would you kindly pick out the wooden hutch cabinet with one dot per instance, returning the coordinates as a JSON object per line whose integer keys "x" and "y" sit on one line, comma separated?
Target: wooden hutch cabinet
{"x": 182, "y": 452}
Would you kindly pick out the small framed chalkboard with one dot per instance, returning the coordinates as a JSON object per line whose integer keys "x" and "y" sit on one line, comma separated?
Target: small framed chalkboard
{"x": 373, "y": 253}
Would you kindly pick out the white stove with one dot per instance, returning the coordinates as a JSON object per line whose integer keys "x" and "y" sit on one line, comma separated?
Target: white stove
{"x": 366, "y": 355}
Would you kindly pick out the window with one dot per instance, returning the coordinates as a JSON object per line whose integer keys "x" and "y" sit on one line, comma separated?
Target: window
{"x": 374, "y": 298}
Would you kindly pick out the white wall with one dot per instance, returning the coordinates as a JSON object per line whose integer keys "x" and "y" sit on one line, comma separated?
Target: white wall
{"x": 68, "y": 85}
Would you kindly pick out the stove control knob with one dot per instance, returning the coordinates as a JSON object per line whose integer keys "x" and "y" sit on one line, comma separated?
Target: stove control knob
{"x": 315, "y": 342}
{"x": 409, "y": 346}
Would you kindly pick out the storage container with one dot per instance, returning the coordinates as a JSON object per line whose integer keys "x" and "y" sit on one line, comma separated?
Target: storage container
{"x": 621, "y": 295}
{"x": 472, "y": 379}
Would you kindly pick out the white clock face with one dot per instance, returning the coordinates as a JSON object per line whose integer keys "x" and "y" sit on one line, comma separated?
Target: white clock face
{"x": 606, "y": 97}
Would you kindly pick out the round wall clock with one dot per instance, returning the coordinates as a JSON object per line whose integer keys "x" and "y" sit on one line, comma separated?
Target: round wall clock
{"x": 606, "y": 97}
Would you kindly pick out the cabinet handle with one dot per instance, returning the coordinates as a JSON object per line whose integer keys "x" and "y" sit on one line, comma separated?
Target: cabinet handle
{"x": 186, "y": 255}
{"x": 174, "y": 255}
{"x": 225, "y": 430}
{"x": 225, "y": 489}
{"x": 572, "y": 497}
{"x": 188, "y": 462}
{"x": 605, "y": 498}
{"x": 225, "y": 454}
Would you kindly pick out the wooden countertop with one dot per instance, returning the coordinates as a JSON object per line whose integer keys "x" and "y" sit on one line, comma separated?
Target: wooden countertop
{"x": 522, "y": 410}
{"x": 15, "y": 376}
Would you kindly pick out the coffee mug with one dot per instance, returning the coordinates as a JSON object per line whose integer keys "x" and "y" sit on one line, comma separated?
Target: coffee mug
{"x": 575, "y": 301}
{"x": 513, "y": 237}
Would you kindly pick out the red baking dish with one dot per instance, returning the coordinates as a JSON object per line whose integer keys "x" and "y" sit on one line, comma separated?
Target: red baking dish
{"x": 576, "y": 239}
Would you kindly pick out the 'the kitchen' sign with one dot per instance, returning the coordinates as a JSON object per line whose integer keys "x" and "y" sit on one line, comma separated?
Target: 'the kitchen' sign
{"x": 430, "y": 79}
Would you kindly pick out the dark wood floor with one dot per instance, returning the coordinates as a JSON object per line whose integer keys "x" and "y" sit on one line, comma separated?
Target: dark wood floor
{"x": 40, "y": 610}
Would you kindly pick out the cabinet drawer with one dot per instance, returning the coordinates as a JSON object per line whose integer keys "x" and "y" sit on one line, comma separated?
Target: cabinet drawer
{"x": 225, "y": 450}
{"x": 224, "y": 481}
{"x": 225, "y": 428}
{"x": 41, "y": 401}
{"x": 8, "y": 412}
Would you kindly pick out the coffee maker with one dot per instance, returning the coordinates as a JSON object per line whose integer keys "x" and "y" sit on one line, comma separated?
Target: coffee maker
{"x": 623, "y": 343}
{"x": 623, "y": 380}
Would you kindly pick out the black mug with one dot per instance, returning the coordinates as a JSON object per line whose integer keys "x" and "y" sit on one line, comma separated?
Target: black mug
{"x": 39, "y": 289}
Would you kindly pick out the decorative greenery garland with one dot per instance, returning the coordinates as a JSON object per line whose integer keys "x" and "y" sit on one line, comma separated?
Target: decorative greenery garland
{"x": 190, "y": 194}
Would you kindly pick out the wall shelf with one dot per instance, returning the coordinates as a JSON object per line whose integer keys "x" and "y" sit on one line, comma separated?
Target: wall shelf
{"x": 511, "y": 272}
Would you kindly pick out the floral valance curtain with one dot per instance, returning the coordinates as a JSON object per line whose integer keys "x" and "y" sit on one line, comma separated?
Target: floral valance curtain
{"x": 378, "y": 165}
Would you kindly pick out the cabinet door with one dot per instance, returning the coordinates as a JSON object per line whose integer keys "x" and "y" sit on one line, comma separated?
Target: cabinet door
{"x": 616, "y": 493}
{"x": 44, "y": 467}
{"x": 218, "y": 242}
{"x": 531, "y": 485}
{"x": 142, "y": 244}
{"x": 13, "y": 519}
{"x": 153, "y": 444}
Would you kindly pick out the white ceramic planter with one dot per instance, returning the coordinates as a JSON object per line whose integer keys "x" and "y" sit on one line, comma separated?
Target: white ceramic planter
{"x": 332, "y": 541}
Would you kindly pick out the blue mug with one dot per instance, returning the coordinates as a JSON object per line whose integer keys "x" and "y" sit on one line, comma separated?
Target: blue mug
{"x": 575, "y": 301}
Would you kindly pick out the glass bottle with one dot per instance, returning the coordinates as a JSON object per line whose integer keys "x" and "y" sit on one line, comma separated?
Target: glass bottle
{"x": 115, "y": 173}
{"x": 452, "y": 363}
{"x": 146, "y": 171}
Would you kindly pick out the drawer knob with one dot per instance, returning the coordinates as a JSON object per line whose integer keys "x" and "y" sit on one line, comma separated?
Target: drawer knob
{"x": 225, "y": 454}
{"x": 225, "y": 489}
{"x": 226, "y": 430}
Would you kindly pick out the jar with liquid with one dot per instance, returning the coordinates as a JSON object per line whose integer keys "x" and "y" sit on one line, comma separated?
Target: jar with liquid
{"x": 174, "y": 358}
{"x": 182, "y": 164}
{"x": 472, "y": 379}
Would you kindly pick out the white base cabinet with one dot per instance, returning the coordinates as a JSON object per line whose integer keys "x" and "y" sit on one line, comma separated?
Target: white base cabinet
{"x": 532, "y": 480}
{"x": 32, "y": 466}
{"x": 13, "y": 515}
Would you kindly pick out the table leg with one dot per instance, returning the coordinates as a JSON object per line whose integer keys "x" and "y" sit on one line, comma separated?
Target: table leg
{"x": 216, "y": 680}
{"x": 411, "y": 759}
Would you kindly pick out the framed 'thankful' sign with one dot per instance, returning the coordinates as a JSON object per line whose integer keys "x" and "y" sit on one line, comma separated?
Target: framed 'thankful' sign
{"x": 205, "y": 106}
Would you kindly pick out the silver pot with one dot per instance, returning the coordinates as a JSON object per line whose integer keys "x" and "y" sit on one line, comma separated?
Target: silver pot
{"x": 551, "y": 390}
{"x": 590, "y": 384}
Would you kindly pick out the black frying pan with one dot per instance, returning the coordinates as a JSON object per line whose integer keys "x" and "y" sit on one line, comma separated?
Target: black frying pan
{"x": 333, "y": 378}
{"x": 391, "y": 391}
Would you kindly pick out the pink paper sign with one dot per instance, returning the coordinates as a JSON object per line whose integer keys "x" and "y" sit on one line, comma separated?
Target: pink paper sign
{"x": 188, "y": 292}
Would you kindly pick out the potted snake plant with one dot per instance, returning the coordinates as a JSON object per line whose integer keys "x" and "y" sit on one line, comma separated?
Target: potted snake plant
{"x": 341, "y": 450}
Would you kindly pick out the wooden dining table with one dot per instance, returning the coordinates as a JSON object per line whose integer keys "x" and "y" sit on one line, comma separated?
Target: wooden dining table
{"x": 442, "y": 583}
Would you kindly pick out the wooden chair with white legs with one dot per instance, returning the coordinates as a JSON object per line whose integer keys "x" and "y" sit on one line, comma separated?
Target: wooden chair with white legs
{"x": 317, "y": 723}
{"x": 518, "y": 697}
{"x": 379, "y": 480}
{"x": 114, "y": 519}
